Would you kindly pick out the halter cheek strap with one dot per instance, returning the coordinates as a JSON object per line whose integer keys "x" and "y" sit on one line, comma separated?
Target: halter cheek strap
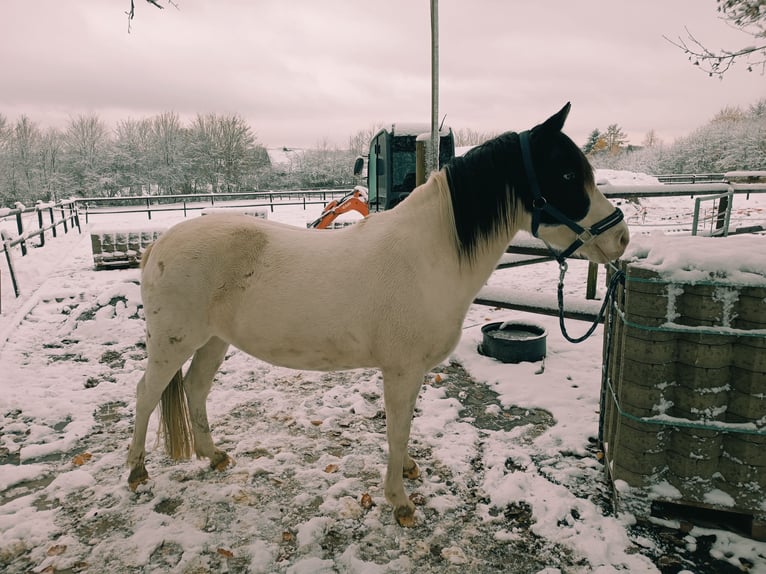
{"x": 540, "y": 205}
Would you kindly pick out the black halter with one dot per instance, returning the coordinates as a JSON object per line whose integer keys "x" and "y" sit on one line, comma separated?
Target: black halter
{"x": 584, "y": 235}
{"x": 540, "y": 205}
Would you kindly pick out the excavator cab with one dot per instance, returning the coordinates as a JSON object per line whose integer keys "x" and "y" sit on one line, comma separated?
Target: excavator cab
{"x": 391, "y": 164}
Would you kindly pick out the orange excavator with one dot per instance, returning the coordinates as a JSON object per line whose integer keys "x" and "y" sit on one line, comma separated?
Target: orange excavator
{"x": 354, "y": 201}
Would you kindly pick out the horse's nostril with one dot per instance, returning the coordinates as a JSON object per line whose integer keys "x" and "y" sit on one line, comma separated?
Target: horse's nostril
{"x": 624, "y": 239}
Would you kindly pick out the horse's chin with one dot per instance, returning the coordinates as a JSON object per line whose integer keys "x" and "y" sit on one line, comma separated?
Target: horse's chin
{"x": 596, "y": 254}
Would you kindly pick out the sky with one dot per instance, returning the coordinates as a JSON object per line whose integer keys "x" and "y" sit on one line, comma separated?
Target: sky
{"x": 307, "y": 73}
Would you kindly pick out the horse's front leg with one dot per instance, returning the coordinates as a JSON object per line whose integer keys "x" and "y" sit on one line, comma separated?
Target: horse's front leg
{"x": 400, "y": 391}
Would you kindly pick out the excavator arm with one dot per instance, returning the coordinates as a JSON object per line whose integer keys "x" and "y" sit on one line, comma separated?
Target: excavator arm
{"x": 354, "y": 201}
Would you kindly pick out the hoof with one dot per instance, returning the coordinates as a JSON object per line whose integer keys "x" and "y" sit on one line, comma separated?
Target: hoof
{"x": 411, "y": 473}
{"x": 138, "y": 476}
{"x": 405, "y": 516}
{"x": 221, "y": 461}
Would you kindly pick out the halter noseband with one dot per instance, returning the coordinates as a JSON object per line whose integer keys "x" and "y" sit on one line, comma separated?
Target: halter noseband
{"x": 540, "y": 205}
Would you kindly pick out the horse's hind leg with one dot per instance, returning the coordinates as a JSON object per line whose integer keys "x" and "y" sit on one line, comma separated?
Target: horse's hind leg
{"x": 400, "y": 391}
{"x": 197, "y": 384}
{"x": 156, "y": 378}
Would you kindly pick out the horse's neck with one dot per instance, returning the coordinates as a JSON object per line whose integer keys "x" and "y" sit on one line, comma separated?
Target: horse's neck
{"x": 430, "y": 206}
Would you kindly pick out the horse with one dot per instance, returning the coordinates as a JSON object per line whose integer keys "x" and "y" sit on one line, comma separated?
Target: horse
{"x": 390, "y": 292}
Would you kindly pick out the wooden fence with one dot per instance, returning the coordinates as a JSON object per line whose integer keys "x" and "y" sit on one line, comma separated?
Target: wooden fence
{"x": 48, "y": 217}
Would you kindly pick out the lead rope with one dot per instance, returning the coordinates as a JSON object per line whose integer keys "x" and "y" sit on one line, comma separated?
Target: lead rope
{"x": 617, "y": 278}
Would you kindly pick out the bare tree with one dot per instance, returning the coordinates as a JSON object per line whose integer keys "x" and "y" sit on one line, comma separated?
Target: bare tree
{"x": 26, "y": 136}
{"x": 614, "y": 138}
{"x": 359, "y": 143}
{"x": 132, "y": 12}
{"x": 470, "y": 137}
{"x": 651, "y": 139}
{"x": 749, "y": 16}
{"x": 51, "y": 145}
{"x": 131, "y": 155}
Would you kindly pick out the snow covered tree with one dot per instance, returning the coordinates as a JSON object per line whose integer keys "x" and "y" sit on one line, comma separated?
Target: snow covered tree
{"x": 87, "y": 151}
{"x": 170, "y": 165}
{"x": 131, "y": 159}
{"x": 592, "y": 142}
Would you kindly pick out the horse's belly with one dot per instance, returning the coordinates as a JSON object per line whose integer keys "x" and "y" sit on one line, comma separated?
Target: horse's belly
{"x": 307, "y": 359}
{"x": 306, "y": 353}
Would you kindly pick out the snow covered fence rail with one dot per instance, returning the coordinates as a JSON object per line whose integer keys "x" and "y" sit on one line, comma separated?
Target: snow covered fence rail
{"x": 149, "y": 204}
{"x": 24, "y": 221}
{"x": 722, "y": 193}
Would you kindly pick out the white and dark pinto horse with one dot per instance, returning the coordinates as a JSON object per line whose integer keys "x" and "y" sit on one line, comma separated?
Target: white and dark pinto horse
{"x": 389, "y": 292}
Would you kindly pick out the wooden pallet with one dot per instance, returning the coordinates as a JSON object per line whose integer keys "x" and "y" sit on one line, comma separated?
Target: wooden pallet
{"x": 708, "y": 516}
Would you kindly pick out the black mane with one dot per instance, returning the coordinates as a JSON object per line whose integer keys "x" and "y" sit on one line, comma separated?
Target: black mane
{"x": 488, "y": 184}
{"x": 483, "y": 186}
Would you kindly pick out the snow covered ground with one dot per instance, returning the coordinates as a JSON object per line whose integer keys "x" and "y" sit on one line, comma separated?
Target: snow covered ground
{"x": 510, "y": 479}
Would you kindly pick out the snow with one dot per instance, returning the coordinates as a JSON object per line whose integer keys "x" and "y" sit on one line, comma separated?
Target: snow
{"x": 506, "y": 461}
{"x": 739, "y": 260}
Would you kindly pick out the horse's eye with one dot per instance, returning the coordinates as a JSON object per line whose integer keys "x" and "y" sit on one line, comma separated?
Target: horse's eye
{"x": 570, "y": 176}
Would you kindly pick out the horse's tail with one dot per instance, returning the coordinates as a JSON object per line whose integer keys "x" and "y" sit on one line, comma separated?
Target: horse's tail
{"x": 175, "y": 422}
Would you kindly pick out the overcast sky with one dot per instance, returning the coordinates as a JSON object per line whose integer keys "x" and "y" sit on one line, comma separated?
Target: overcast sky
{"x": 306, "y": 71}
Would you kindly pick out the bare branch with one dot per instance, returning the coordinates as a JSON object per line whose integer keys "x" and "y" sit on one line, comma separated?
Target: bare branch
{"x": 132, "y": 12}
{"x": 746, "y": 16}
{"x": 718, "y": 63}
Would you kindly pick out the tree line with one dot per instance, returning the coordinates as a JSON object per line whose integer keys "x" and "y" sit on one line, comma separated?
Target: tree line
{"x": 734, "y": 139}
{"x": 221, "y": 153}
{"x": 154, "y": 155}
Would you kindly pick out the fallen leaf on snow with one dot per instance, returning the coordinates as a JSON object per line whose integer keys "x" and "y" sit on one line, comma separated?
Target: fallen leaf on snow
{"x": 81, "y": 459}
{"x": 366, "y": 501}
{"x": 417, "y": 499}
{"x": 57, "y": 550}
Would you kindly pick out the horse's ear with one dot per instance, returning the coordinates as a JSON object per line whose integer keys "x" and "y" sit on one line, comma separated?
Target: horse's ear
{"x": 555, "y": 123}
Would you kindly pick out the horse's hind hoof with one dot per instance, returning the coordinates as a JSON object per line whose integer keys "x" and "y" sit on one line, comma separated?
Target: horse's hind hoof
{"x": 411, "y": 473}
{"x": 405, "y": 516}
{"x": 221, "y": 461}
{"x": 137, "y": 477}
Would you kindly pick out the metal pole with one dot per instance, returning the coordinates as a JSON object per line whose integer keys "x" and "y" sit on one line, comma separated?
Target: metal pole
{"x": 434, "y": 163}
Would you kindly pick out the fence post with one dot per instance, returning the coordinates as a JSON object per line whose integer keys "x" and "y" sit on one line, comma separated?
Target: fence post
{"x": 7, "y": 248}
{"x": 41, "y": 225}
{"x": 20, "y": 228}
{"x": 63, "y": 217}
{"x": 590, "y": 288}
{"x": 722, "y": 218}
{"x": 148, "y": 208}
{"x": 75, "y": 214}
{"x": 53, "y": 221}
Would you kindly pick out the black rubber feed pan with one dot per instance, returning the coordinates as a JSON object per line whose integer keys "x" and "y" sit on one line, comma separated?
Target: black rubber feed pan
{"x": 511, "y": 342}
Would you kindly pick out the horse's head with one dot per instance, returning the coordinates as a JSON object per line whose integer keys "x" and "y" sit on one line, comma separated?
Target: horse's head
{"x": 567, "y": 208}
